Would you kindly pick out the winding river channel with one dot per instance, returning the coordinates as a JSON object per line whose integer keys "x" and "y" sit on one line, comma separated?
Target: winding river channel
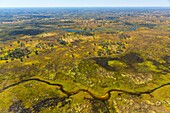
{"x": 105, "y": 97}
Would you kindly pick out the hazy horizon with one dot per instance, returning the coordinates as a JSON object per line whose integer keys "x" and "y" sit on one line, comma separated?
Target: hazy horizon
{"x": 85, "y": 3}
{"x": 95, "y": 7}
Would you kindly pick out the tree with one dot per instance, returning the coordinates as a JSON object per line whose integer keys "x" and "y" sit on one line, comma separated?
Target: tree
{"x": 36, "y": 52}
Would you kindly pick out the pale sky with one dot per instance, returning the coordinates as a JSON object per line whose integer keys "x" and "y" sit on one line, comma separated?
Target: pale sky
{"x": 83, "y": 3}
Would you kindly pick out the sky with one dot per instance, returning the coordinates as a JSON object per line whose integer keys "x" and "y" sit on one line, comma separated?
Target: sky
{"x": 84, "y": 3}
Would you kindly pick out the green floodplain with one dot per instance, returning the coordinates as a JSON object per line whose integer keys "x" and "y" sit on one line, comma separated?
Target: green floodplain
{"x": 85, "y": 60}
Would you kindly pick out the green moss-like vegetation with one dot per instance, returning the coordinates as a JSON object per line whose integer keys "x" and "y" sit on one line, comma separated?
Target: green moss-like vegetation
{"x": 116, "y": 64}
{"x": 147, "y": 66}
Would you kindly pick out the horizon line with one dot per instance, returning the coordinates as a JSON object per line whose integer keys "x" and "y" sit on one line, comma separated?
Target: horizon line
{"x": 84, "y": 6}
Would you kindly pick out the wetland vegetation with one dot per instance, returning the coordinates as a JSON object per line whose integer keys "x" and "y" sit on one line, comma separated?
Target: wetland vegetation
{"x": 87, "y": 60}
